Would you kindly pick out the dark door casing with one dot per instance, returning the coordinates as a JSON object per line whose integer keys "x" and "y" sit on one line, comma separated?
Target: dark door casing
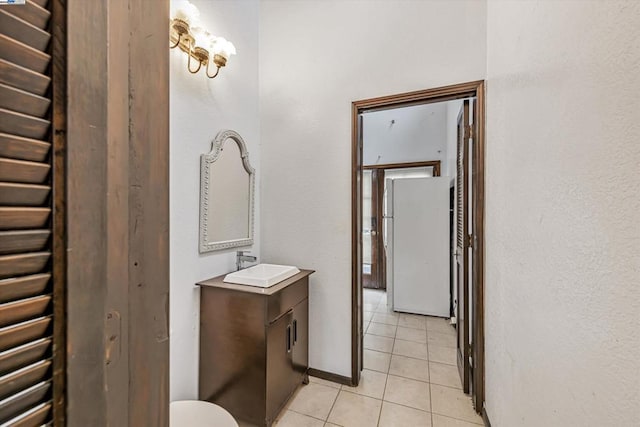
{"x": 476, "y": 131}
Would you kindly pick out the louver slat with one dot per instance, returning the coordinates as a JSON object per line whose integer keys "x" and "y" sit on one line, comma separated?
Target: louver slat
{"x": 23, "y": 287}
{"x": 20, "y": 241}
{"x": 21, "y": 30}
{"x": 23, "y": 55}
{"x": 32, "y": 13}
{"x": 24, "y": 355}
{"x": 27, "y": 343}
{"x": 22, "y": 333}
{"x": 23, "y": 78}
{"x": 18, "y": 404}
{"x": 24, "y": 102}
{"x": 12, "y": 170}
{"x": 34, "y": 417}
{"x": 17, "y": 147}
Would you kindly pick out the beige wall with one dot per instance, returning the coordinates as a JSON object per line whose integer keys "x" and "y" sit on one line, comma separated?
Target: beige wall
{"x": 200, "y": 108}
{"x": 562, "y": 257}
{"x": 315, "y": 59}
{"x": 562, "y": 261}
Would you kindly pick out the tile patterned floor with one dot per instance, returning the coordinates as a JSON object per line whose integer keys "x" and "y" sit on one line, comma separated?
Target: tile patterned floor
{"x": 410, "y": 378}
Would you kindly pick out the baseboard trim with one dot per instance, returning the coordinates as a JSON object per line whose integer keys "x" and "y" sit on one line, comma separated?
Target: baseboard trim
{"x": 329, "y": 376}
{"x": 485, "y": 417}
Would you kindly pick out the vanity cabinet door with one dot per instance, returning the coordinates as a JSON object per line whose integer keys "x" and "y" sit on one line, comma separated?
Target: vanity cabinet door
{"x": 301, "y": 339}
{"x": 280, "y": 375}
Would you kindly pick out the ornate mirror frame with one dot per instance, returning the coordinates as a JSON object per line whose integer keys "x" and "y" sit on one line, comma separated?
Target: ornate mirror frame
{"x": 206, "y": 162}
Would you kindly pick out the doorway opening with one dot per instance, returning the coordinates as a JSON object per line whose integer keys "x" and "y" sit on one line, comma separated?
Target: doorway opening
{"x": 374, "y": 205}
{"x": 417, "y": 227}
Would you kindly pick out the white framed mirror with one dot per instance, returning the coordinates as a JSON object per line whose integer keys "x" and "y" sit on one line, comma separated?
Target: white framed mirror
{"x": 227, "y": 188}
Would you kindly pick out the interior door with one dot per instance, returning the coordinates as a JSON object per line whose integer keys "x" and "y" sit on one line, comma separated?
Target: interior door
{"x": 462, "y": 246}
{"x": 367, "y": 229}
{"x": 357, "y": 327}
{"x": 381, "y": 260}
{"x": 477, "y": 217}
{"x": 32, "y": 124}
{"x": 373, "y": 244}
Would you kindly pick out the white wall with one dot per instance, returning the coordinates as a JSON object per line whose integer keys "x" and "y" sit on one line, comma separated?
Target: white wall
{"x": 418, "y": 133}
{"x": 201, "y": 107}
{"x": 562, "y": 267}
{"x": 315, "y": 59}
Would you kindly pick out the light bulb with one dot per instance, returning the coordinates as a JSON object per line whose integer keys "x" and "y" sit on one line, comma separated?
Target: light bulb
{"x": 202, "y": 37}
{"x": 185, "y": 11}
{"x": 223, "y": 47}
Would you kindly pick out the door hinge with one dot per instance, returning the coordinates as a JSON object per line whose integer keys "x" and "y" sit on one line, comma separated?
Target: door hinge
{"x": 112, "y": 330}
{"x": 470, "y": 240}
{"x": 468, "y": 131}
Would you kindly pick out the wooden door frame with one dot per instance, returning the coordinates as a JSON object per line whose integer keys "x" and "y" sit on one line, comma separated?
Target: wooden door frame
{"x": 435, "y": 164}
{"x": 117, "y": 188}
{"x": 58, "y": 49}
{"x": 440, "y": 94}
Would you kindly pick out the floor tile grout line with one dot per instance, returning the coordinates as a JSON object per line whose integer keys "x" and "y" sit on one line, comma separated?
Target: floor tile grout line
{"x": 431, "y": 412}
{"x": 454, "y": 418}
{"x": 426, "y": 332}
{"x": 453, "y": 388}
{"x": 444, "y": 415}
{"x": 384, "y": 390}
{"x": 395, "y": 403}
{"x": 411, "y": 378}
{"x": 332, "y": 405}
{"x": 410, "y": 357}
{"x": 407, "y": 406}
{"x": 417, "y": 342}
{"x": 429, "y": 370}
{"x": 429, "y": 332}
{"x": 306, "y": 415}
{"x": 408, "y": 378}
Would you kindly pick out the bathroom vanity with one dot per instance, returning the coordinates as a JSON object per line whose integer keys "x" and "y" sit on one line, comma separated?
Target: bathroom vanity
{"x": 253, "y": 345}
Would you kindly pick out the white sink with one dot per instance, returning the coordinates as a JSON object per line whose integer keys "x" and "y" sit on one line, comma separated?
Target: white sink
{"x": 262, "y": 275}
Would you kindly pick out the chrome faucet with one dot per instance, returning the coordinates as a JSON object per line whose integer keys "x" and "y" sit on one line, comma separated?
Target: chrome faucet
{"x": 241, "y": 256}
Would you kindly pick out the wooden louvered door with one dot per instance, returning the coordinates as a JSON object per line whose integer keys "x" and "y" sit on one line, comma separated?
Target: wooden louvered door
{"x": 477, "y": 255}
{"x": 462, "y": 246}
{"x": 30, "y": 334}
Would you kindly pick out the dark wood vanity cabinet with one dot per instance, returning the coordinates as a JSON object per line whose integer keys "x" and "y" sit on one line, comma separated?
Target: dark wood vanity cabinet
{"x": 254, "y": 345}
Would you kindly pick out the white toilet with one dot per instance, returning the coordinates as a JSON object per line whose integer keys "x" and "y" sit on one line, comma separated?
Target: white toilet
{"x": 197, "y": 413}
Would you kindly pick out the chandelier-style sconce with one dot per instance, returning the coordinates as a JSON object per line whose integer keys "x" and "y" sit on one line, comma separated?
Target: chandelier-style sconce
{"x": 200, "y": 46}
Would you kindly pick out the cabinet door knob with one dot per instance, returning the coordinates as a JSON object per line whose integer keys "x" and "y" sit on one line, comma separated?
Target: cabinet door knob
{"x": 288, "y": 338}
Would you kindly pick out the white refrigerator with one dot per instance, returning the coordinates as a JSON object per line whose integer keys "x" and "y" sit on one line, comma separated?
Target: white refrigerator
{"x": 416, "y": 238}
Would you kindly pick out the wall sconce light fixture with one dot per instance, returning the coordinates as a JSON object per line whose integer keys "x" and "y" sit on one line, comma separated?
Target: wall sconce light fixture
{"x": 187, "y": 34}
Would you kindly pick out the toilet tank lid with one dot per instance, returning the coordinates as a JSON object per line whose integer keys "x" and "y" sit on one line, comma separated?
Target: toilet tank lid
{"x": 197, "y": 413}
